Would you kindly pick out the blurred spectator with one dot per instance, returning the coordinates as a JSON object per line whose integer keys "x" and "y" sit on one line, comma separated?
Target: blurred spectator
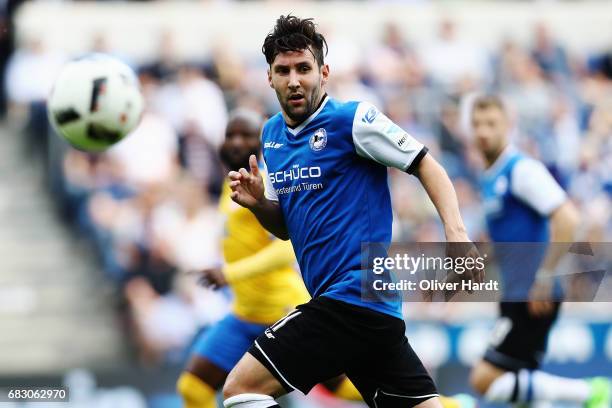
{"x": 348, "y": 87}
{"x": 449, "y": 61}
{"x": 167, "y": 64}
{"x": 452, "y": 141}
{"x": 28, "y": 80}
{"x": 191, "y": 230}
{"x": 606, "y": 65}
{"x": 566, "y": 132}
{"x": 164, "y": 325}
{"x": 150, "y": 154}
{"x": 7, "y": 37}
{"x": 31, "y": 72}
{"x": 5, "y": 49}
{"x": 205, "y": 117}
{"x": 346, "y": 58}
{"x": 203, "y": 104}
{"x": 184, "y": 233}
{"x": 550, "y": 56}
{"x": 385, "y": 62}
{"x": 533, "y": 98}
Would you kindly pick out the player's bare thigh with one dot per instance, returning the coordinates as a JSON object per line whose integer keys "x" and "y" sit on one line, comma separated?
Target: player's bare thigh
{"x": 482, "y": 376}
{"x": 250, "y": 376}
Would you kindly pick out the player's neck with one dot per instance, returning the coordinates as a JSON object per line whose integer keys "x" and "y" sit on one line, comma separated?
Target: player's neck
{"x": 492, "y": 158}
{"x": 292, "y": 124}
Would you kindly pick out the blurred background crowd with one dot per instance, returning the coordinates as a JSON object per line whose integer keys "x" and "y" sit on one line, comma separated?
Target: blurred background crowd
{"x": 148, "y": 207}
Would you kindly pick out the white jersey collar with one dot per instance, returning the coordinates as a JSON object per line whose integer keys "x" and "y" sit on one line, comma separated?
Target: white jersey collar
{"x": 296, "y": 130}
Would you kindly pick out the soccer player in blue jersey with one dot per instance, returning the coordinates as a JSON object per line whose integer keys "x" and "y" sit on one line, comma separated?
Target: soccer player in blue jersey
{"x": 523, "y": 203}
{"x": 260, "y": 271}
{"x": 326, "y": 190}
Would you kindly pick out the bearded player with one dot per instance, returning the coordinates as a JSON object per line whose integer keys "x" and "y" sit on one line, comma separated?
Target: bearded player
{"x": 260, "y": 271}
{"x": 523, "y": 203}
{"x": 327, "y": 191}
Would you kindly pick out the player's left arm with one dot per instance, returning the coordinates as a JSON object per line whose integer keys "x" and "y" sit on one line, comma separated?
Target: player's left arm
{"x": 563, "y": 226}
{"x": 442, "y": 194}
{"x": 533, "y": 184}
{"x": 376, "y": 137}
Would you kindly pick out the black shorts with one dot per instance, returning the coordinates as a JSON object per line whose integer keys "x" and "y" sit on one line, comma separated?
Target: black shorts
{"x": 519, "y": 339}
{"x": 325, "y": 338}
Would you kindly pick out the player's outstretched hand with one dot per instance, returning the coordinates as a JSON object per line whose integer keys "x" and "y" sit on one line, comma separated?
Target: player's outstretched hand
{"x": 247, "y": 188}
{"x": 467, "y": 251}
{"x": 476, "y": 274}
{"x": 540, "y": 299}
{"x": 212, "y": 278}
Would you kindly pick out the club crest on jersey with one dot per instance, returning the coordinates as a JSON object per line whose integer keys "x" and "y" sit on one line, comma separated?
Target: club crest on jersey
{"x": 318, "y": 140}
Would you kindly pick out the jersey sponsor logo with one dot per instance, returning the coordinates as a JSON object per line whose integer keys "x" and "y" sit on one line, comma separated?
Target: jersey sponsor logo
{"x": 295, "y": 173}
{"x": 302, "y": 178}
{"x": 272, "y": 145}
{"x": 318, "y": 140}
{"x": 370, "y": 115}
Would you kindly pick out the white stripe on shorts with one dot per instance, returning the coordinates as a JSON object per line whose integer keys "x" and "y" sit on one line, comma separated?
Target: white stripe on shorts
{"x": 273, "y": 366}
{"x": 284, "y": 320}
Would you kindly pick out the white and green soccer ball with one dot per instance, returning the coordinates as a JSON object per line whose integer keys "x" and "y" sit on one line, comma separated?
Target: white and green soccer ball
{"x": 95, "y": 102}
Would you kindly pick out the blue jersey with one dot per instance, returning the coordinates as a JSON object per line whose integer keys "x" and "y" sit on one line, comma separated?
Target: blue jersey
{"x": 329, "y": 176}
{"x": 519, "y": 194}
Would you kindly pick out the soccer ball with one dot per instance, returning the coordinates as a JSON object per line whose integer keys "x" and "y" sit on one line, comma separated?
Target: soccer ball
{"x": 95, "y": 102}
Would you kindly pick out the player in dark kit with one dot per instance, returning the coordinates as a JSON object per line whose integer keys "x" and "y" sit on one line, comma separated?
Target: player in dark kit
{"x": 326, "y": 190}
{"x": 523, "y": 203}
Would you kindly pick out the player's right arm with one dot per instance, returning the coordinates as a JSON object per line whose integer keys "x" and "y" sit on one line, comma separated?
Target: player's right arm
{"x": 248, "y": 191}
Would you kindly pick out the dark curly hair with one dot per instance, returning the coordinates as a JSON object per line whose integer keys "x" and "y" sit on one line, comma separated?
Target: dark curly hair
{"x": 292, "y": 33}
